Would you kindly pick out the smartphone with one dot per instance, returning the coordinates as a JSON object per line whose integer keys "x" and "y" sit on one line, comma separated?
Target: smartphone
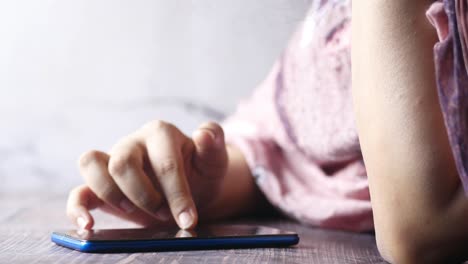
{"x": 172, "y": 239}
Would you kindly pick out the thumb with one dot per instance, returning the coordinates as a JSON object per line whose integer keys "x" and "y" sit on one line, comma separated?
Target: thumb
{"x": 210, "y": 150}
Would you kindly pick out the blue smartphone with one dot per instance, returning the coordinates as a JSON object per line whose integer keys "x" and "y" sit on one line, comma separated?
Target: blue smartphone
{"x": 172, "y": 239}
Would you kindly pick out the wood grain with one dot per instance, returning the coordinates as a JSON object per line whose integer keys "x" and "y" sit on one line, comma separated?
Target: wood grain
{"x": 26, "y": 222}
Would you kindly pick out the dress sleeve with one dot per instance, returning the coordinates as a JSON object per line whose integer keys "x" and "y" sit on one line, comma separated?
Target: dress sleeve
{"x": 449, "y": 17}
{"x": 296, "y": 186}
{"x": 255, "y": 127}
{"x": 320, "y": 189}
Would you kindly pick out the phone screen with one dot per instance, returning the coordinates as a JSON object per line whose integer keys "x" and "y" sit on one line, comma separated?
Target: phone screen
{"x": 209, "y": 231}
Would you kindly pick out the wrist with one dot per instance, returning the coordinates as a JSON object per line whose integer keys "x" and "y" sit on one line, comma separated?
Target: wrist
{"x": 237, "y": 191}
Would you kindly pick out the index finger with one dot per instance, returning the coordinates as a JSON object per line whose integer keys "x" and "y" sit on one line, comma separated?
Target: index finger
{"x": 164, "y": 152}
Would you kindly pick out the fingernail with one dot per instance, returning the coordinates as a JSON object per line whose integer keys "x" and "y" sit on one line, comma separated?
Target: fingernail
{"x": 212, "y": 135}
{"x": 218, "y": 140}
{"x": 209, "y": 132}
{"x": 163, "y": 214}
{"x": 126, "y": 205}
{"x": 81, "y": 222}
{"x": 185, "y": 219}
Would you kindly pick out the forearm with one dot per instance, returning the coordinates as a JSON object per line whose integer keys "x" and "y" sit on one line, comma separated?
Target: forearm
{"x": 239, "y": 194}
{"x": 412, "y": 176}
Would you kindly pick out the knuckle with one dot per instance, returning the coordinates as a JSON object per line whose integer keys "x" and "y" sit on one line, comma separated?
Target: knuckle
{"x": 157, "y": 125}
{"x": 118, "y": 164}
{"x": 106, "y": 192}
{"x": 167, "y": 166}
{"x": 179, "y": 199}
{"x": 214, "y": 127}
{"x": 88, "y": 158}
{"x": 143, "y": 200}
{"x": 73, "y": 192}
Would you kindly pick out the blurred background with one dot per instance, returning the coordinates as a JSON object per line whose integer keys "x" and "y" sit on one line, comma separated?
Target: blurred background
{"x": 78, "y": 75}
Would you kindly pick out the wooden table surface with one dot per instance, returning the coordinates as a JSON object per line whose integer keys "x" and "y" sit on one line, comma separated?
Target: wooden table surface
{"x": 26, "y": 222}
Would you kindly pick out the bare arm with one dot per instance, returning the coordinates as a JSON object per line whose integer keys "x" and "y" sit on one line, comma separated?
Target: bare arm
{"x": 420, "y": 210}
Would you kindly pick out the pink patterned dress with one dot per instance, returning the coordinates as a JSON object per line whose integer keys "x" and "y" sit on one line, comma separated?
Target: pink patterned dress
{"x": 297, "y": 130}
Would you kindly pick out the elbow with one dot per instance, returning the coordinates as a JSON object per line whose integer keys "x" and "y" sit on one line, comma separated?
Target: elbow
{"x": 413, "y": 244}
{"x": 397, "y": 250}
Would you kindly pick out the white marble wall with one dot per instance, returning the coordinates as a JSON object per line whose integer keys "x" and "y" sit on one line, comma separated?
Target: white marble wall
{"x": 76, "y": 75}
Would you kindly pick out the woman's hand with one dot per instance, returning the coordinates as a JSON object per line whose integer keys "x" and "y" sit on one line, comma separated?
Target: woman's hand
{"x": 152, "y": 176}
